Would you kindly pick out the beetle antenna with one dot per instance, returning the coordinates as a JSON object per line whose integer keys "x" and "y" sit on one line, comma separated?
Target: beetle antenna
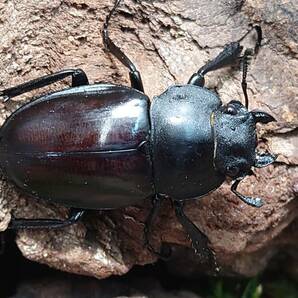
{"x": 245, "y": 59}
{"x": 245, "y": 63}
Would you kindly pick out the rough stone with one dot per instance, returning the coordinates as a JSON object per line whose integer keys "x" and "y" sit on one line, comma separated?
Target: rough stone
{"x": 168, "y": 40}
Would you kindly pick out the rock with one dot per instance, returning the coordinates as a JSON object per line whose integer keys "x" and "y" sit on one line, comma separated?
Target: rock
{"x": 169, "y": 41}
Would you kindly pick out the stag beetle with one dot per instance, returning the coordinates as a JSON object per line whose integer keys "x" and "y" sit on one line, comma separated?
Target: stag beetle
{"x": 104, "y": 146}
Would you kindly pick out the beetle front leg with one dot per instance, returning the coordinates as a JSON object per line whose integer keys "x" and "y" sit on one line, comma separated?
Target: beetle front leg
{"x": 255, "y": 202}
{"x": 134, "y": 74}
{"x": 229, "y": 56}
{"x": 198, "y": 239}
{"x": 43, "y": 223}
{"x": 156, "y": 203}
{"x": 79, "y": 78}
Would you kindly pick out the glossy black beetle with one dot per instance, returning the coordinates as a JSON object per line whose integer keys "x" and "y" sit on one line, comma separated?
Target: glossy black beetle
{"x": 102, "y": 146}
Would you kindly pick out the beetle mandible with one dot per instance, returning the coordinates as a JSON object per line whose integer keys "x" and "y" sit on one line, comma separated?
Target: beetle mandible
{"x": 104, "y": 146}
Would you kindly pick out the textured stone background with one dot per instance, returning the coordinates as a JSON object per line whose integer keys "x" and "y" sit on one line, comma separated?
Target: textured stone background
{"x": 168, "y": 40}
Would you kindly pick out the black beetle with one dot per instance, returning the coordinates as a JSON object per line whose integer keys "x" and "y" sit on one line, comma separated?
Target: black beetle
{"x": 103, "y": 146}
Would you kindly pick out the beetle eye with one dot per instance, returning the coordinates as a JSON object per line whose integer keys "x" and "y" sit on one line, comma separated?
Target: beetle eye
{"x": 231, "y": 110}
{"x": 232, "y": 171}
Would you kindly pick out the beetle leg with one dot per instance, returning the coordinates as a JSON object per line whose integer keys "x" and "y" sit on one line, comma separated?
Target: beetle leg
{"x": 255, "y": 202}
{"x": 156, "y": 203}
{"x": 229, "y": 56}
{"x": 42, "y": 223}
{"x": 198, "y": 239}
{"x": 134, "y": 74}
{"x": 79, "y": 78}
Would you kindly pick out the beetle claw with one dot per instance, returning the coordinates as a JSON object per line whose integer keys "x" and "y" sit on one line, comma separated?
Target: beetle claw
{"x": 204, "y": 252}
{"x": 5, "y": 97}
{"x": 255, "y": 202}
{"x": 258, "y": 202}
{"x": 264, "y": 159}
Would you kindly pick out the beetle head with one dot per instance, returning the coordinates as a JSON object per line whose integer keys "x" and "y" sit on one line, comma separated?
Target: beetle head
{"x": 236, "y": 140}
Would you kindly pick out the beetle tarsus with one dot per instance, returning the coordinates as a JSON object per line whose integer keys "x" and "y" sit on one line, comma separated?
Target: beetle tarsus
{"x": 79, "y": 78}
{"x": 43, "y": 223}
{"x": 134, "y": 74}
{"x": 5, "y": 97}
{"x": 199, "y": 240}
{"x": 255, "y": 202}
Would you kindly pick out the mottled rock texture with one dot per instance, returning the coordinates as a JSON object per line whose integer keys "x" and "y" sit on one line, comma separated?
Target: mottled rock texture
{"x": 168, "y": 40}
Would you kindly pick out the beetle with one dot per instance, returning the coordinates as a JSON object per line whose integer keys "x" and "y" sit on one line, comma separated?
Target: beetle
{"x": 104, "y": 146}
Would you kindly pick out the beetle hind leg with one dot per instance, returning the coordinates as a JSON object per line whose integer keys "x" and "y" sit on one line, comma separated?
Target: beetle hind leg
{"x": 43, "y": 223}
{"x": 165, "y": 252}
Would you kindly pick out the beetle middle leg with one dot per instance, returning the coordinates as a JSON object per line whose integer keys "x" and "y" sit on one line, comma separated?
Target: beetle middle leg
{"x": 134, "y": 74}
{"x": 198, "y": 239}
{"x": 156, "y": 203}
{"x": 79, "y": 78}
{"x": 44, "y": 223}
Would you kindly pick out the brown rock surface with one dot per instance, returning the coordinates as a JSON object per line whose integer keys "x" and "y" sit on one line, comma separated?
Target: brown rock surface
{"x": 169, "y": 40}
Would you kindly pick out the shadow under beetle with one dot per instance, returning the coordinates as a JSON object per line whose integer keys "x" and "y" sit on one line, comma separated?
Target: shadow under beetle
{"x": 104, "y": 146}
